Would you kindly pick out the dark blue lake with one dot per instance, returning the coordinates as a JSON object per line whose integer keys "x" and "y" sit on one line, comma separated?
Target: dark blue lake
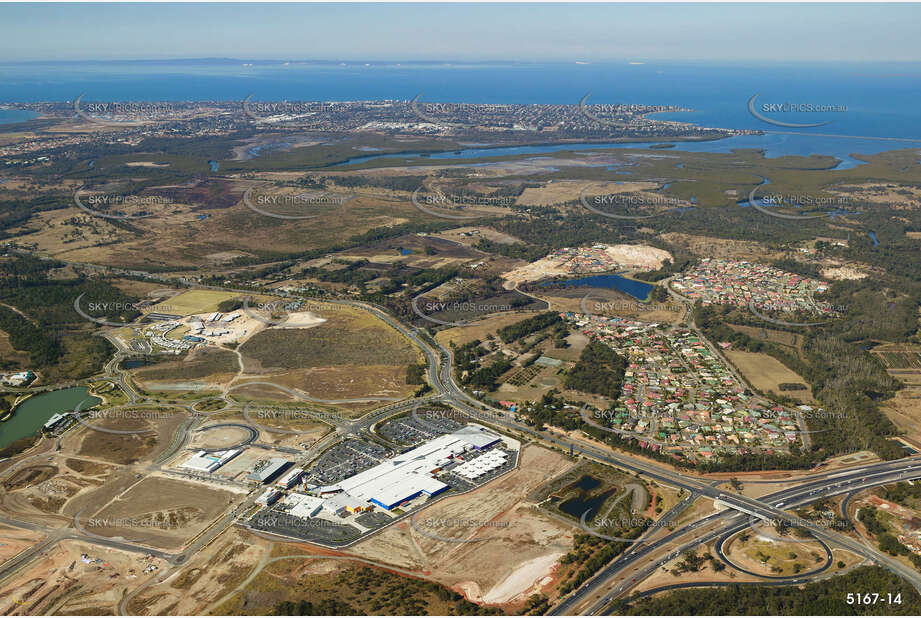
{"x": 637, "y": 289}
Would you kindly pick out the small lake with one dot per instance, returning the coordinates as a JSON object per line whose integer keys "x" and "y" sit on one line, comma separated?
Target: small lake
{"x": 637, "y": 289}
{"x": 577, "y": 506}
{"x": 35, "y": 411}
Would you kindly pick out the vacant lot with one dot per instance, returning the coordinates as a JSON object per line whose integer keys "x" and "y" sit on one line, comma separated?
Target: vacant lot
{"x": 60, "y": 583}
{"x": 206, "y": 578}
{"x": 766, "y": 373}
{"x": 348, "y": 337}
{"x": 153, "y": 427}
{"x": 162, "y": 512}
{"x": 209, "y": 364}
{"x": 347, "y": 381}
{"x": 782, "y": 337}
{"x": 197, "y": 301}
{"x": 770, "y": 557}
{"x": 459, "y": 335}
{"x": 904, "y": 409}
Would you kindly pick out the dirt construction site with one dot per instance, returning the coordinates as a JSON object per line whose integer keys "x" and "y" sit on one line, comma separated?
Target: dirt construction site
{"x": 634, "y": 257}
{"x": 449, "y": 540}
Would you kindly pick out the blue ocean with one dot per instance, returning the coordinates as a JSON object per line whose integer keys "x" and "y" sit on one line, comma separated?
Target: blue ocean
{"x": 872, "y": 100}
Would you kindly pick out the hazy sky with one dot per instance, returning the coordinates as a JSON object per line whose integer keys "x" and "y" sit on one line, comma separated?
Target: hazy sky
{"x": 591, "y": 32}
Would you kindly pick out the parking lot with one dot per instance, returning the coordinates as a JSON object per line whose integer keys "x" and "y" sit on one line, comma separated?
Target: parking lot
{"x": 346, "y": 459}
{"x": 460, "y": 484}
{"x": 312, "y": 530}
{"x": 416, "y": 429}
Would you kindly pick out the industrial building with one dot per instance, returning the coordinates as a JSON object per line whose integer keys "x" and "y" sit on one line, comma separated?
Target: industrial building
{"x": 269, "y": 497}
{"x": 289, "y": 479}
{"x": 269, "y": 470}
{"x": 203, "y": 461}
{"x": 56, "y": 421}
{"x": 410, "y": 474}
{"x": 302, "y": 505}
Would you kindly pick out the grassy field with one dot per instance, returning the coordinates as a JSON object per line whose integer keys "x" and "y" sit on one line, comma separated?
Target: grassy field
{"x": 904, "y": 409}
{"x": 782, "y": 337}
{"x": 459, "y": 335}
{"x": 10, "y": 354}
{"x": 197, "y": 301}
{"x": 201, "y": 363}
{"x": 348, "y": 337}
{"x": 766, "y": 373}
{"x": 775, "y": 558}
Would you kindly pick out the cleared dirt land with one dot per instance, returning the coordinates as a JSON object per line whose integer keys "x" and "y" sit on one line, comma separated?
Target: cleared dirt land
{"x": 766, "y": 373}
{"x": 154, "y": 428}
{"x": 157, "y": 511}
{"x": 62, "y": 581}
{"x": 211, "y": 574}
{"x": 626, "y": 256}
{"x": 14, "y": 541}
{"x": 522, "y": 543}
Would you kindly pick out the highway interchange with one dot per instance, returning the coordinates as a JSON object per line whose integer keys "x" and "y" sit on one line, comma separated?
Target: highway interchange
{"x": 658, "y": 546}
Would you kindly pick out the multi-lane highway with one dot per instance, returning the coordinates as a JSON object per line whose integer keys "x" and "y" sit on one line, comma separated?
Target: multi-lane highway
{"x": 654, "y": 549}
